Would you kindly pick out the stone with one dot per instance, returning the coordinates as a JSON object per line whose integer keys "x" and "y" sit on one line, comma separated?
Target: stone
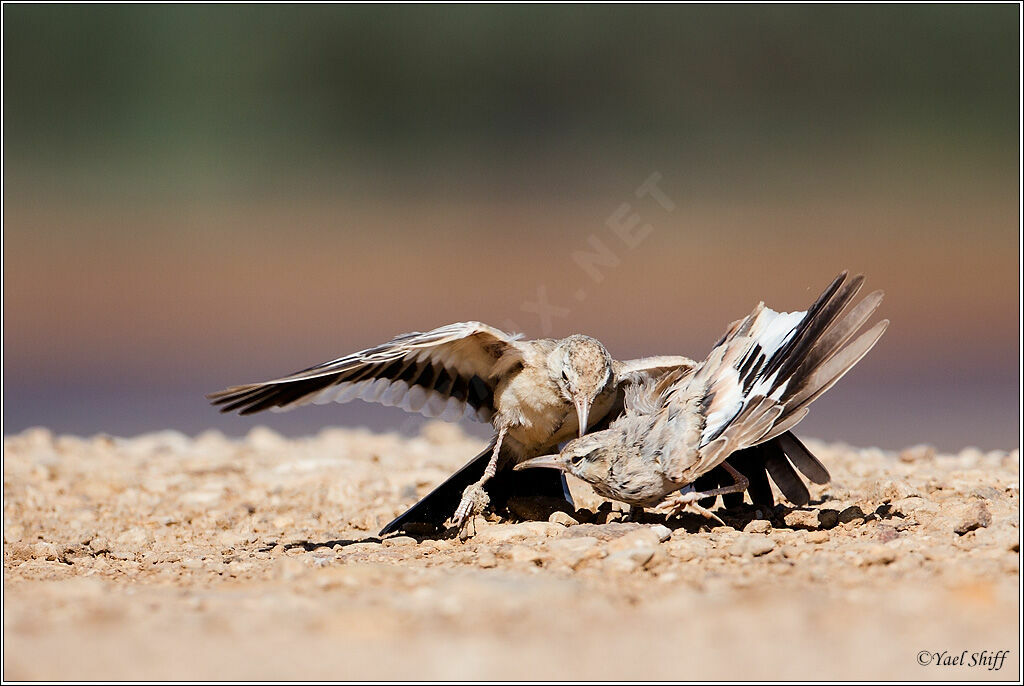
{"x": 817, "y": 536}
{"x": 970, "y": 517}
{"x": 686, "y": 549}
{"x": 629, "y": 560}
{"x": 232, "y": 539}
{"x": 399, "y": 542}
{"x": 363, "y": 547}
{"x": 525, "y": 553}
{"x": 643, "y": 537}
{"x": 486, "y": 559}
{"x": 503, "y": 533}
{"x": 562, "y": 518}
{"x": 886, "y": 533}
{"x": 661, "y": 531}
{"x": 99, "y": 544}
{"x": 602, "y": 532}
{"x": 753, "y": 545}
{"x": 879, "y": 555}
{"x": 918, "y": 453}
{"x": 45, "y": 551}
{"x": 801, "y": 519}
{"x": 850, "y": 514}
{"x": 828, "y": 519}
{"x": 986, "y": 493}
{"x": 20, "y": 552}
{"x": 192, "y": 563}
{"x": 911, "y": 504}
{"x": 892, "y": 490}
{"x": 573, "y": 551}
{"x": 758, "y": 526}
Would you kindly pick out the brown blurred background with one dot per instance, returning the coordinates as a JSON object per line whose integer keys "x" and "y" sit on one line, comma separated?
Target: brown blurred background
{"x": 197, "y": 196}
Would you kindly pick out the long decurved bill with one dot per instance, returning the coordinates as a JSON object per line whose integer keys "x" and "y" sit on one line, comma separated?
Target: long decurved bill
{"x": 550, "y": 461}
{"x": 583, "y": 415}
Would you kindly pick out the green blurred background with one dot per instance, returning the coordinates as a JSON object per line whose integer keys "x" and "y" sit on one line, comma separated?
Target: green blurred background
{"x": 197, "y": 196}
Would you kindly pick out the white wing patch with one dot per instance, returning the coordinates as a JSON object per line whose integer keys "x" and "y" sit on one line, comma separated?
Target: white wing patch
{"x": 769, "y": 331}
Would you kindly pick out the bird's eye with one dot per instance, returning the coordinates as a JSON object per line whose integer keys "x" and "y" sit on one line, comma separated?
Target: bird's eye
{"x": 565, "y": 376}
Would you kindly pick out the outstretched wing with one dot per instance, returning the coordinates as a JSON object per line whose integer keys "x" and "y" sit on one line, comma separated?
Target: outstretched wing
{"x": 449, "y": 372}
{"x": 758, "y": 382}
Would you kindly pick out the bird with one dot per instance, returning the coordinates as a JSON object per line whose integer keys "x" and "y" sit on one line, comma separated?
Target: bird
{"x": 751, "y": 390}
{"x": 535, "y": 393}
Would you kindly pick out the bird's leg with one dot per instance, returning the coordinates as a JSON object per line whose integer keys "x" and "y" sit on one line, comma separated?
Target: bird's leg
{"x": 475, "y": 499}
{"x": 636, "y": 513}
{"x": 680, "y": 501}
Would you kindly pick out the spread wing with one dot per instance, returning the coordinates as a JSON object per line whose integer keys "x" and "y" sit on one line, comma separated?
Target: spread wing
{"x": 449, "y": 372}
{"x": 758, "y": 382}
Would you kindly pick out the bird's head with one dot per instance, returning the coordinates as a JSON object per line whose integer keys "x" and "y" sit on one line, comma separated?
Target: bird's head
{"x": 581, "y": 368}
{"x": 588, "y": 458}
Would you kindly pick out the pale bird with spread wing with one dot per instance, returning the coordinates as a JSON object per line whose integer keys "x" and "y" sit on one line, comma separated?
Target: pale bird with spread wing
{"x": 755, "y": 385}
{"x": 536, "y": 393}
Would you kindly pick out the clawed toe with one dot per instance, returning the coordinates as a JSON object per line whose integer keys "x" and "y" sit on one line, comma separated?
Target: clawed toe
{"x": 680, "y": 502}
{"x": 474, "y": 501}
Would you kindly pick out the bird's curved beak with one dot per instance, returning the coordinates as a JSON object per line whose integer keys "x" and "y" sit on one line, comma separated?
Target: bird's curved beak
{"x": 550, "y": 461}
{"x": 583, "y": 414}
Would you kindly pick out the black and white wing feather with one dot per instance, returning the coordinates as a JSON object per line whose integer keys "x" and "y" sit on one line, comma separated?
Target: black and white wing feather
{"x": 758, "y": 381}
{"x": 449, "y": 373}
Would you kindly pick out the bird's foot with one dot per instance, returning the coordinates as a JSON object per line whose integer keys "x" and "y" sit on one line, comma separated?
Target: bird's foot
{"x": 680, "y": 502}
{"x": 474, "y": 501}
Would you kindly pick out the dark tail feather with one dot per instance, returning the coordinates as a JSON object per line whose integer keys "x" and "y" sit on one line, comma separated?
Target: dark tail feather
{"x": 440, "y": 504}
{"x": 750, "y": 463}
{"x": 803, "y": 458}
{"x": 783, "y": 474}
{"x": 758, "y": 462}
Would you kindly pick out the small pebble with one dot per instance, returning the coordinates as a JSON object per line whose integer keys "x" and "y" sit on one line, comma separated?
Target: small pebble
{"x": 629, "y": 560}
{"x": 918, "y": 453}
{"x": 562, "y": 518}
{"x": 970, "y": 517}
{"x": 758, "y": 526}
{"x": 817, "y": 537}
{"x": 399, "y": 541}
{"x": 828, "y": 519}
{"x": 661, "y": 531}
{"x": 753, "y": 545}
{"x": 850, "y": 514}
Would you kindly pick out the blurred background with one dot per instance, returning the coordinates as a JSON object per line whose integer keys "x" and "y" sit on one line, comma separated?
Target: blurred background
{"x": 199, "y": 196}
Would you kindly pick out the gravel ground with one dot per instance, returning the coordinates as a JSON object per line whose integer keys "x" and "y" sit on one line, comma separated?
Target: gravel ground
{"x": 169, "y": 557}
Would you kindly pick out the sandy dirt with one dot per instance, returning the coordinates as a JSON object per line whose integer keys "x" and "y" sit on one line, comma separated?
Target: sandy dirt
{"x": 169, "y": 557}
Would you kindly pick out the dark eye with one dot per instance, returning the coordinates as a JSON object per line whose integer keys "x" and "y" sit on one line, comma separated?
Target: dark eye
{"x": 576, "y": 459}
{"x": 565, "y": 377}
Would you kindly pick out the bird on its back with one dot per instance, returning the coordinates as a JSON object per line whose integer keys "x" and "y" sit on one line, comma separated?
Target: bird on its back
{"x": 754, "y": 386}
